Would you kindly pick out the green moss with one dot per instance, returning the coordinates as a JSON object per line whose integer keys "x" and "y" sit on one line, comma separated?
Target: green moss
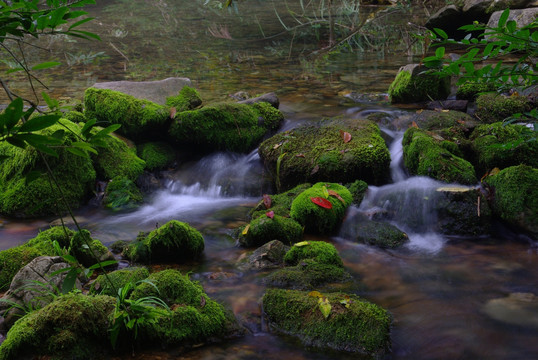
{"x": 264, "y": 229}
{"x": 362, "y": 327}
{"x": 270, "y": 117}
{"x": 72, "y": 327}
{"x": 280, "y": 203}
{"x": 470, "y": 90}
{"x": 119, "y": 279}
{"x": 139, "y": 119}
{"x": 225, "y": 126}
{"x": 75, "y": 116}
{"x": 307, "y": 275}
{"x": 96, "y": 252}
{"x": 117, "y": 159}
{"x": 423, "y": 155}
{"x": 175, "y": 241}
{"x": 315, "y": 218}
{"x": 493, "y": 107}
{"x": 383, "y": 235}
{"x": 74, "y": 174}
{"x": 157, "y": 155}
{"x": 187, "y": 99}
{"x": 122, "y": 194}
{"x": 503, "y": 145}
{"x": 313, "y": 154}
{"x": 357, "y": 190}
{"x": 43, "y": 241}
{"x": 515, "y": 196}
{"x": 319, "y": 251}
{"x": 14, "y": 259}
{"x": 407, "y": 88}
{"x": 171, "y": 286}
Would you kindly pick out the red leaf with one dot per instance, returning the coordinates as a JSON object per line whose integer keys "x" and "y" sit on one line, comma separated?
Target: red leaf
{"x": 336, "y": 195}
{"x": 172, "y": 112}
{"x": 324, "y": 203}
{"x": 270, "y": 214}
{"x": 266, "y": 201}
{"x": 345, "y": 136}
{"x": 314, "y": 170}
{"x": 300, "y": 155}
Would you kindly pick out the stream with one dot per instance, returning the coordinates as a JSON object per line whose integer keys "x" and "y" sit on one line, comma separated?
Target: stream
{"x": 439, "y": 289}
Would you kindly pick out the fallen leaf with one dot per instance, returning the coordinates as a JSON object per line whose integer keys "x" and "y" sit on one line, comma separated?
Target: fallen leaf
{"x": 324, "y": 203}
{"x": 276, "y": 146}
{"x": 345, "y": 136}
{"x": 172, "y": 112}
{"x": 314, "y": 170}
{"x": 336, "y": 195}
{"x": 202, "y": 301}
{"x": 300, "y": 155}
{"x": 325, "y": 307}
{"x": 420, "y": 111}
{"x": 414, "y": 124}
{"x": 325, "y": 191}
{"x": 302, "y": 243}
{"x": 267, "y": 201}
{"x": 315, "y": 294}
{"x": 270, "y": 214}
{"x": 445, "y": 110}
{"x": 245, "y": 230}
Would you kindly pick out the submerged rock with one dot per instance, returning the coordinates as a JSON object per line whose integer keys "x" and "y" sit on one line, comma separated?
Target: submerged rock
{"x": 338, "y": 152}
{"x": 264, "y": 229}
{"x": 361, "y": 229}
{"x": 280, "y": 204}
{"x": 516, "y": 309}
{"x": 413, "y": 84}
{"x": 267, "y": 256}
{"x": 352, "y": 324}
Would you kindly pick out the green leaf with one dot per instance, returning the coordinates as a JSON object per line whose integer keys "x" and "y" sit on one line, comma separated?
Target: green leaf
{"x": 440, "y": 52}
{"x": 69, "y": 281}
{"x": 83, "y": 34}
{"x": 106, "y": 131}
{"x": 87, "y": 127}
{"x": 325, "y": 307}
{"x": 31, "y": 176}
{"x": 51, "y": 103}
{"x": 46, "y": 65}
{"x": 441, "y": 33}
{"x": 39, "y": 123}
{"x": 503, "y": 18}
{"x": 15, "y": 141}
{"x": 84, "y": 146}
{"x": 78, "y": 152}
{"x": 103, "y": 264}
{"x": 302, "y": 243}
{"x": 80, "y": 22}
{"x": 511, "y": 26}
{"x": 12, "y": 114}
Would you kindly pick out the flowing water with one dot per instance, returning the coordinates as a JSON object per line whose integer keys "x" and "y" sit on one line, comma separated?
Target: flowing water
{"x": 441, "y": 290}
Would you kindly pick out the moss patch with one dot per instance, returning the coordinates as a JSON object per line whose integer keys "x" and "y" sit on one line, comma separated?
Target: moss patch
{"x": 493, "y": 107}
{"x": 315, "y": 218}
{"x": 319, "y": 251}
{"x": 117, "y": 159}
{"x": 264, "y": 229}
{"x": 357, "y": 190}
{"x": 187, "y": 99}
{"x": 312, "y": 154}
{"x": 412, "y": 87}
{"x": 14, "y": 259}
{"x": 470, "y": 90}
{"x": 280, "y": 203}
{"x": 122, "y": 194}
{"x": 88, "y": 256}
{"x": 157, "y": 155}
{"x": 362, "y": 327}
{"x": 119, "y": 279}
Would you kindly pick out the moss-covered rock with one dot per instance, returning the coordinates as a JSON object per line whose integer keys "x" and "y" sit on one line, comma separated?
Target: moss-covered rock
{"x": 353, "y": 324}
{"x": 225, "y": 126}
{"x": 317, "y": 219}
{"x": 119, "y": 279}
{"x": 175, "y": 241}
{"x": 122, "y": 194}
{"x": 117, "y": 159}
{"x": 139, "y": 119}
{"x": 363, "y": 230}
{"x": 428, "y": 156}
{"x": 14, "y": 259}
{"x": 269, "y": 255}
{"x": 307, "y": 275}
{"x": 471, "y": 90}
{"x": 514, "y": 193}
{"x": 75, "y": 116}
{"x": 171, "y": 286}
{"x": 319, "y": 251}
{"x": 312, "y": 154}
{"x": 187, "y": 99}
{"x": 43, "y": 241}
{"x": 503, "y": 145}
{"x": 264, "y": 229}
{"x": 74, "y": 174}
{"x": 72, "y": 327}
{"x": 413, "y": 84}
{"x": 88, "y": 251}
{"x": 280, "y": 203}
{"x": 440, "y": 120}
{"x": 493, "y": 107}
{"x": 157, "y": 155}
{"x": 358, "y": 190}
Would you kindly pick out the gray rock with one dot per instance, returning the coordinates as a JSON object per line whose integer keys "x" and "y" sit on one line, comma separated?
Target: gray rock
{"x": 270, "y": 98}
{"x": 267, "y": 256}
{"x": 477, "y": 7}
{"x": 156, "y": 91}
{"x": 516, "y": 309}
{"x": 444, "y": 18}
{"x": 522, "y": 17}
{"x": 33, "y": 287}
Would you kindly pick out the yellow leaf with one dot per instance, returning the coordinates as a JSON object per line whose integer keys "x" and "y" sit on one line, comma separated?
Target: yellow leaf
{"x": 302, "y": 243}
{"x": 245, "y": 230}
{"x": 315, "y": 294}
{"x": 325, "y": 307}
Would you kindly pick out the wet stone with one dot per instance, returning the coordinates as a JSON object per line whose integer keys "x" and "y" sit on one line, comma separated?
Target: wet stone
{"x": 516, "y": 309}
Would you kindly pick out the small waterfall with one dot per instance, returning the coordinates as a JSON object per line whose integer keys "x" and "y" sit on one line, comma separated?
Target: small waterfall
{"x": 397, "y": 171}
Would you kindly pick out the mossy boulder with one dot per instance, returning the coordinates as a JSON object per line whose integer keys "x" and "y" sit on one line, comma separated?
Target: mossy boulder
{"x": 14, "y": 259}
{"x": 503, "y": 145}
{"x": 353, "y": 324}
{"x": 264, "y": 229}
{"x": 72, "y": 327}
{"x": 514, "y": 194}
{"x": 175, "y": 241}
{"x": 225, "y": 126}
{"x": 75, "y": 116}
{"x": 157, "y": 155}
{"x": 74, "y": 174}
{"x": 440, "y": 120}
{"x": 122, "y": 193}
{"x": 188, "y": 98}
{"x": 471, "y": 90}
{"x": 358, "y": 190}
{"x": 313, "y": 154}
{"x": 139, "y": 119}
{"x": 413, "y": 83}
{"x": 280, "y": 203}
{"x": 361, "y": 229}
{"x": 318, "y": 219}
{"x": 171, "y": 286}
{"x": 493, "y": 107}
{"x": 43, "y": 241}
{"x": 88, "y": 251}
{"x": 319, "y": 251}
{"x": 117, "y": 159}
{"x": 269, "y": 255}
{"x": 434, "y": 157}
{"x": 119, "y": 279}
